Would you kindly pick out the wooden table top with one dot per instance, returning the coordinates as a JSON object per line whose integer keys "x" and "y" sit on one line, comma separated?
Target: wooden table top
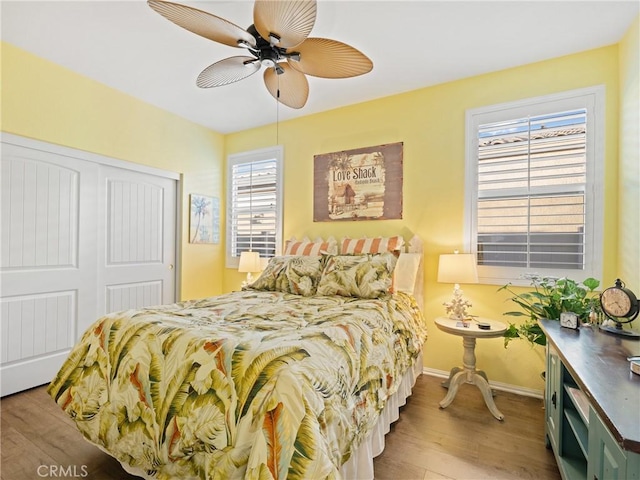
{"x": 598, "y": 362}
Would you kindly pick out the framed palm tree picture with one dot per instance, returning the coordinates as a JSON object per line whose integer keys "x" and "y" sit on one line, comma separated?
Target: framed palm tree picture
{"x": 204, "y": 219}
{"x": 359, "y": 184}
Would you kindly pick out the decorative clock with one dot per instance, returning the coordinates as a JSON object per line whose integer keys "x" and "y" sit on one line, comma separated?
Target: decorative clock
{"x": 569, "y": 320}
{"x": 620, "y": 305}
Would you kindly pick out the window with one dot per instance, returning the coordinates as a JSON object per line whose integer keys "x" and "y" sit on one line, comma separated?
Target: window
{"x": 534, "y": 187}
{"x": 254, "y": 203}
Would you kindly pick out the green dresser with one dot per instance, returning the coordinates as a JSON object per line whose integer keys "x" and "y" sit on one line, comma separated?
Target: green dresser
{"x": 592, "y": 403}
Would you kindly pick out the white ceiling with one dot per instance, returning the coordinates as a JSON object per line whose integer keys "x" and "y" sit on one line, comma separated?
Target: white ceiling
{"x": 413, "y": 44}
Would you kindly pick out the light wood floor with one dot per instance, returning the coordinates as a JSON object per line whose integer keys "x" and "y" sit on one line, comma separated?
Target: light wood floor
{"x": 463, "y": 441}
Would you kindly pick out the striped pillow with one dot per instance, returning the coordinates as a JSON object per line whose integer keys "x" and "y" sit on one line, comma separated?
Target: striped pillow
{"x": 308, "y": 248}
{"x": 351, "y": 246}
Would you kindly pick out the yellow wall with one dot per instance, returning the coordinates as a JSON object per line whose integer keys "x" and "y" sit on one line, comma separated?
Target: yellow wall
{"x": 430, "y": 122}
{"x": 74, "y": 111}
{"x": 44, "y": 101}
{"x": 629, "y": 165}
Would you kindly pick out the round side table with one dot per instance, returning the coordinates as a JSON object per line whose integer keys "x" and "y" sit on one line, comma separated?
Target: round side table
{"x": 469, "y": 374}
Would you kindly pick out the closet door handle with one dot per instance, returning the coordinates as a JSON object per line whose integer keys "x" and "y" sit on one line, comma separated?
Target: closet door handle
{"x": 553, "y": 400}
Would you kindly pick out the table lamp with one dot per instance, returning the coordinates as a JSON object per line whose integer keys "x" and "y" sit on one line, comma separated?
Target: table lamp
{"x": 249, "y": 263}
{"x": 457, "y": 268}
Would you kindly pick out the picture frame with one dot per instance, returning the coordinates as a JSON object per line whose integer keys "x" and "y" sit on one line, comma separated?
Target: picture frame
{"x": 204, "y": 219}
{"x": 359, "y": 184}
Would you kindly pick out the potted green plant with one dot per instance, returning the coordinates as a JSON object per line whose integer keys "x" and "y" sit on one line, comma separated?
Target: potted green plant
{"x": 550, "y": 297}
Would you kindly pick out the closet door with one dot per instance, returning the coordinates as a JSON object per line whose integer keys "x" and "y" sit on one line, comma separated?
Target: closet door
{"x": 136, "y": 240}
{"x": 47, "y": 264}
{"x": 81, "y": 235}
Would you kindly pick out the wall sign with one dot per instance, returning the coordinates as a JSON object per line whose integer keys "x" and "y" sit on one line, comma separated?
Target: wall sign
{"x": 360, "y": 184}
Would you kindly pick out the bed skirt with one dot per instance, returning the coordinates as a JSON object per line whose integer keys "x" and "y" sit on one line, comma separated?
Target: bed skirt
{"x": 360, "y": 465}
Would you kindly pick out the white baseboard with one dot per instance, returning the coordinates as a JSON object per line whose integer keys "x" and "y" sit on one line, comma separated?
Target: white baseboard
{"x": 505, "y": 387}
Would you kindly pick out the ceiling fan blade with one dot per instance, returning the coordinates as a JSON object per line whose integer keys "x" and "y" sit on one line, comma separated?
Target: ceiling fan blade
{"x": 227, "y": 71}
{"x": 290, "y": 88}
{"x": 322, "y": 57}
{"x": 203, "y": 23}
{"x": 290, "y": 20}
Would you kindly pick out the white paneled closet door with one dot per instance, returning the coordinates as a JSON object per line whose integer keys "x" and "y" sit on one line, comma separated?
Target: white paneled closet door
{"x": 80, "y": 235}
{"x": 136, "y": 238}
{"x": 48, "y": 282}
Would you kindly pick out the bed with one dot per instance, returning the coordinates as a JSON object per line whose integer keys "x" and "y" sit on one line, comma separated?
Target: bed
{"x": 296, "y": 376}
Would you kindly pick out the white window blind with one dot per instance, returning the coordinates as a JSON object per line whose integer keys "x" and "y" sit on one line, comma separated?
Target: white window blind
{"x": 531, "y": 191}
{"x": 254, "y": 204}
{"x": 534, "y": 186}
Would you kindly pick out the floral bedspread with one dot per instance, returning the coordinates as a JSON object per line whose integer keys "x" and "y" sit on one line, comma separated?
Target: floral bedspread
{"x": 243, "y": 385}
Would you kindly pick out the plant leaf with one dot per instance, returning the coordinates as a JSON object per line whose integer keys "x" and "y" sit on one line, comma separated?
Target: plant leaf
{"x": 516, "y": 314}
{"x": 591, "y": 283}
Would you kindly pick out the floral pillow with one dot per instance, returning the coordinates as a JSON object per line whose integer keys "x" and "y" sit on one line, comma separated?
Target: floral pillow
{"x": 290, "y": 274}
{"x": 363, "y": 276}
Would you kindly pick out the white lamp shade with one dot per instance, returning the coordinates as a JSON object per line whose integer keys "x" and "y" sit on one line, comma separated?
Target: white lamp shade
{"x": 457, "y": 268}
{"x": 249, "y": 262}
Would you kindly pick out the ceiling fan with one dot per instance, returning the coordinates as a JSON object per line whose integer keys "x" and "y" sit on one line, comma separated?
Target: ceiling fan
{"x": 278, "y": 40}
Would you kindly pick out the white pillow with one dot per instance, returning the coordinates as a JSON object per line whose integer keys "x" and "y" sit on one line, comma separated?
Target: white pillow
{"x": 406, "y": 272}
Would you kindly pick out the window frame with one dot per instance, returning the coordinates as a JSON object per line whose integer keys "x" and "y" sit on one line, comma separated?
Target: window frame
{"x": 591, "y": 98}
{"x": 276, "y": 152}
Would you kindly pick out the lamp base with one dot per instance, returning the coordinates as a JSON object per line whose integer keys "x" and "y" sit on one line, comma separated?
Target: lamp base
{"x": 457, "y": 307}
{"x": 248, "y": 281}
